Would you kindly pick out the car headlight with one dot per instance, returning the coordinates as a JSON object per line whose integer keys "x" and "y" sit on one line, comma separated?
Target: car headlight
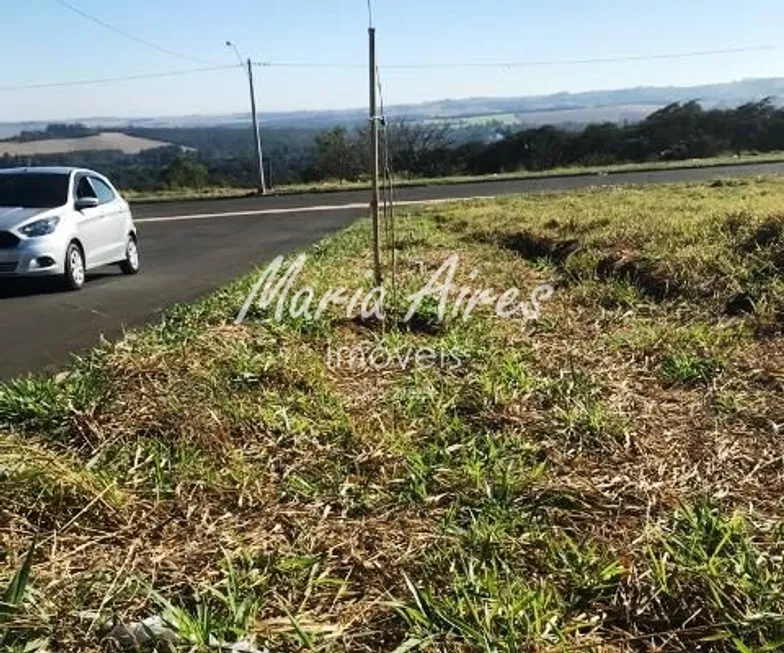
{"x": 40, "y": 227}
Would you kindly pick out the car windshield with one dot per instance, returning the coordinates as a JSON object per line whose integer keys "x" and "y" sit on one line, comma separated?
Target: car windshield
{"x": 33, "y": 190}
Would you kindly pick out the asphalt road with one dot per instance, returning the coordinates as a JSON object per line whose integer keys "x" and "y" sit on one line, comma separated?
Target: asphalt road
{"x": 192, "y": 248}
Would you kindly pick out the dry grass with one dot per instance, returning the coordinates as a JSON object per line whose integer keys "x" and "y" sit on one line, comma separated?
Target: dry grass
{"x": 608, "y": 478}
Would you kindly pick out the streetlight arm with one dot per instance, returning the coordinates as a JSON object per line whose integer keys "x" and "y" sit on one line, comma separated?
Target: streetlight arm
{"x": 230, "y": 44}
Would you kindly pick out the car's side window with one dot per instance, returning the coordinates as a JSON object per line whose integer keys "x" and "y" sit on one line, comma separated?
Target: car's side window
{"x": 103, "y": 191}
{"x": 84, "y": 189}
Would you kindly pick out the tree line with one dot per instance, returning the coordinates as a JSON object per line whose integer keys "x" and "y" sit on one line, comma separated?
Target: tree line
{"x": 55, "y": 130}
{"x": 224, "y": 157}
{"x": 678, "y": 131}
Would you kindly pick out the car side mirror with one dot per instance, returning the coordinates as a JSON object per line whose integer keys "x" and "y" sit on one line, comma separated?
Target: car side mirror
{"x": 83, "y": 203}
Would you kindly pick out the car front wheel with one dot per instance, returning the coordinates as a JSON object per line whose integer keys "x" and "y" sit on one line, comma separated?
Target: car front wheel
{"x": 74, "y": 268}
{"x": 131, "y": 263}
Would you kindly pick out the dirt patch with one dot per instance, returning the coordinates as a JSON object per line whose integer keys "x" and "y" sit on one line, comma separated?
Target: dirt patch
{"x": 727, "y": 183}
{"x": 770, "y": 328}
{"x": 362, "y": 325}
{"x": 766, "y": 238}
{"x": 648, "y": 276}
{"x": 533, "y": 247}
{"x": 765, "y": 235}
{"x": 410, "y": 242}
{"x": 423, "y": 323}
{"x": 740, "y": 304}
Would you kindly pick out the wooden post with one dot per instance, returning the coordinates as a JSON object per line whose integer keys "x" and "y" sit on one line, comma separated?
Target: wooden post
{"x": 375, "y": 199}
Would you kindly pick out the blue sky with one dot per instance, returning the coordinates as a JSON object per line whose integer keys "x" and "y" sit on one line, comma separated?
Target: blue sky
{"x": 43, "y": 42}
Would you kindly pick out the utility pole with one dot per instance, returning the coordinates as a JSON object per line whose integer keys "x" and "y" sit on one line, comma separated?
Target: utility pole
{"x": 254, "y": 118}
{"x": 256, "y": 133}
{"x": 375, "y": 199}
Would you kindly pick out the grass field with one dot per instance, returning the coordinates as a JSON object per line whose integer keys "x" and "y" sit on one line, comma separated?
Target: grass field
{"x": 608, "y": 478}
{"x": 508, "y": 119}
{"x": 99, "y": 142}
{"x": 618, "y": 114}
{"x": 336, "y": 186}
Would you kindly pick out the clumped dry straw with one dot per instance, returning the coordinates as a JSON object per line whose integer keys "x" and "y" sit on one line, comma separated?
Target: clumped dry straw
{"x": 608, "y": 477}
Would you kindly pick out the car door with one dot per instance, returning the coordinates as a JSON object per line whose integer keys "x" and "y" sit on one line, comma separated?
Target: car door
{"x": 91, "y": 223}
{"x": 114, "y": 220}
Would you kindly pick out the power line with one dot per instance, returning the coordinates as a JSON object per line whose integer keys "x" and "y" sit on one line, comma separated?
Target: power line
{"x": 282, "y": 64}
{"x": 305, "y": 64}
{"x": 572, "y": 62}
{"x": 130, "y": 36}
{"x": 521, "y": 64}
{"x": 107, "y": 80}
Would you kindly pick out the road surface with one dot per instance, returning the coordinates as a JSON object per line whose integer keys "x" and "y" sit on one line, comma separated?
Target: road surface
{"x": 192, "y": 248}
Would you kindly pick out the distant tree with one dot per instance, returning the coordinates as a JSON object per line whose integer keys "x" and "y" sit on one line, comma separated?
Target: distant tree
{"x": 52, "y": 131}
{"x": 64, "y": 130}
{"x": 184, "y": 172}
{"x": 597, "y": 144}
{"x": 747, "y": 125}
{"x": 419, "y": 149}
{"x": 337, "y": 156}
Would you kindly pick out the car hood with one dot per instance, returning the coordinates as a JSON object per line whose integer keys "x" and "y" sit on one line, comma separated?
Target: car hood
{"x": 12, "y": 217}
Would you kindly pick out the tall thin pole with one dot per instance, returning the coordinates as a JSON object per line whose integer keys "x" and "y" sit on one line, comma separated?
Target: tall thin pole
{"x": 375, "y": 199}
{"x": 256, "y": 133}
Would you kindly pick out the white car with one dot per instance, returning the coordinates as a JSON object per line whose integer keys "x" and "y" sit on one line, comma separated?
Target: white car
{"x": 63, "y": 222}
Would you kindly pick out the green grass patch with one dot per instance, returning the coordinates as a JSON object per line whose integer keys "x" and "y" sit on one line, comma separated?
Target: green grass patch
{"x": 606, "y": 477}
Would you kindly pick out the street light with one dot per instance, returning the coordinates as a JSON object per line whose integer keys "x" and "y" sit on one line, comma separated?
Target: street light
{"x": 254, "y": 117}
{"x": 231, "y": 45}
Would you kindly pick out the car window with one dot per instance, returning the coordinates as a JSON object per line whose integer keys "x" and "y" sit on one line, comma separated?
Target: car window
{"x": 33, "y": 190}
{"x": 102, "y": 190}
{"x": 84, "y": 189}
